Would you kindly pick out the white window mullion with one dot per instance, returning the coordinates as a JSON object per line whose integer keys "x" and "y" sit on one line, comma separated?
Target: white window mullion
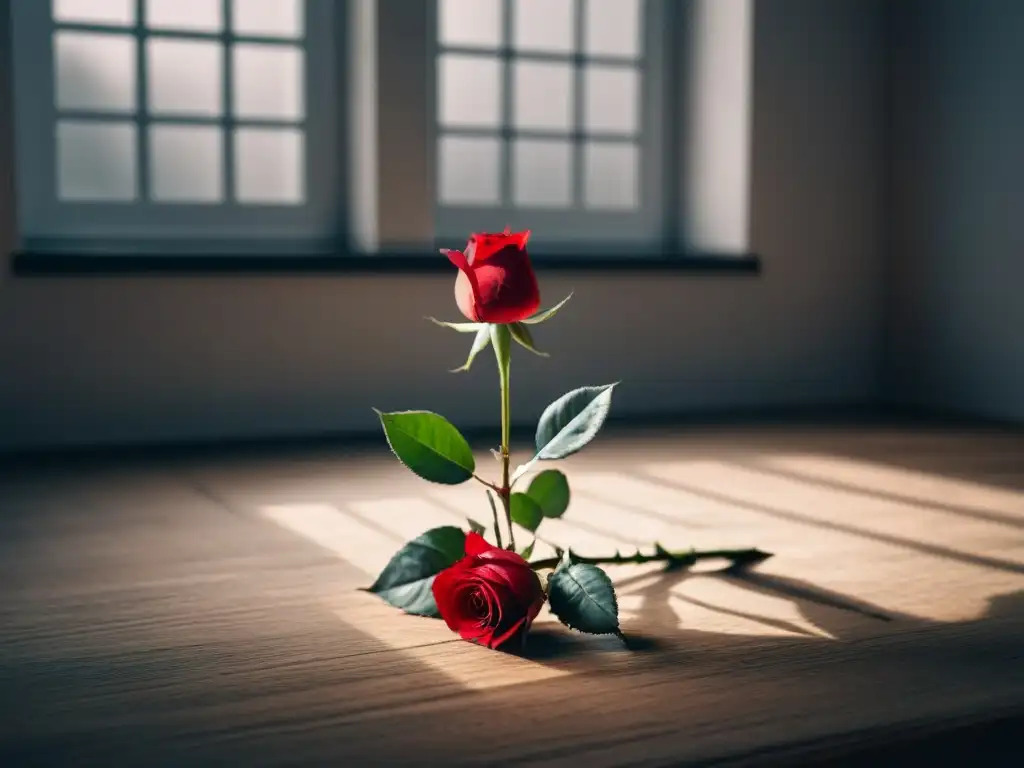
{"x": 505, "y": 58}
{"x": 228, "y": 143}
{"x": 208, "y": 137}
{"x": 715, "y": 94}
{"x": 578, "y": 173}
{"x": 392, "y": 87}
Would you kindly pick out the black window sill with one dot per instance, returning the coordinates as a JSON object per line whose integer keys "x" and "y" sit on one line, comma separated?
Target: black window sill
{"x": 38, "y": 264}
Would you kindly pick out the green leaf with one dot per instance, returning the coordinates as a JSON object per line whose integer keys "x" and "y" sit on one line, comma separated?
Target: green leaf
{"x": 476, "y": 527}
{"x": 550, "y": 489}
{"x": 525, "y": 511}
{"x": 583, "y": 598}
{"x": 483, "y": 337}
{"x": 522, "y": 335}
{"x": 429, "y": 445}
{"x": 460, "y": 327}
{"x": 572, "y": 421}
{"x": 547, "y": 314}
{"x": 569, "y": 423}
{"x": 407, "y": 579}
{"x": 527, "y": 552}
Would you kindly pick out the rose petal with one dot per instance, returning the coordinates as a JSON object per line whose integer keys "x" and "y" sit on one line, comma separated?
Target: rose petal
{"x": 506, "y": 286}
{"x": 477, "y": 545}
{"x": 520, "y": 619}
{"x": 458, "y": 258}
{"x": 494, "y": 602}
{"x": 503, "y": 556}
{"x": 501, "y": 637}
{"x": 519, "y": 578}
{"x": 471, "y": 622}
{"x": 445, "y": 589}
{"x": 467, "y": 286}
{"x": 486, "y": 244}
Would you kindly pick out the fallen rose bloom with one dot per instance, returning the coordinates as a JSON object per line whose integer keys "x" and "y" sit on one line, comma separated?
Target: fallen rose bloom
{"x": 491, "y": 596}
{"x": 496, "y": 282}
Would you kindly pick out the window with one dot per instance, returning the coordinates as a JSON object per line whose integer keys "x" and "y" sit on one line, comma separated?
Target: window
{"x": 157, "y": 119}
{"x": 296, "y": 126}
{"x": 549, "y": 116}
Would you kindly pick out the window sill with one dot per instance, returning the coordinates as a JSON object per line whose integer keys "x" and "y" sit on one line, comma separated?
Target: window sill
{"x": 37, "y": 264}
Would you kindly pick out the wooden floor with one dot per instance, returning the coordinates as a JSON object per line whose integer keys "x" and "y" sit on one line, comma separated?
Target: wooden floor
{"x": 204, "y": 612}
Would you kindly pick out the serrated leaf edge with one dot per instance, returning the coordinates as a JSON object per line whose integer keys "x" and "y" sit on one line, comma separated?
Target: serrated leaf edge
{"x": 381, "y": 415}
{"x": 605, "y": 388}
{"x": 566, "y": 573}
{"x": 376, "y": 590}
{"x": 522, "y": 469}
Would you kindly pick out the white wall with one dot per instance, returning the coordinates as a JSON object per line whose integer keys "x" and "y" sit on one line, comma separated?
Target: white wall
{"x": 87, "y": 360}
{"x": 957, "y": 299}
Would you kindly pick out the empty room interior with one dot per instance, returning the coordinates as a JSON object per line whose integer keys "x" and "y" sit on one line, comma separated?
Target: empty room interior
{"x": 651, "y": 394}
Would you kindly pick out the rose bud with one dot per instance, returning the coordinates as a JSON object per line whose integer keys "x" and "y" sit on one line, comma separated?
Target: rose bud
{"x": 496, "y": 283}
{"x": 491, "y": 596}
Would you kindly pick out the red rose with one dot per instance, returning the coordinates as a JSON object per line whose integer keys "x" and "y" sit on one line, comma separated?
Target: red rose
{"x": 496, "y": 283}
{"x": 491, "y": 595}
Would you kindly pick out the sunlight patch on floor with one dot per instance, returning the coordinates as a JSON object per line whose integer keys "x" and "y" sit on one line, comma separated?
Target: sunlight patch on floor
{"x": 768, "y": 493}
{"x": 406, "y": 517}
{"x": 925, "y": 488}
{"x": 353, "y": 541}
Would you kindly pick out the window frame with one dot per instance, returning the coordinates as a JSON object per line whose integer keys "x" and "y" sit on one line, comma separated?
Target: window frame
{"x": 145, "y": 226}
{"x": 563, "y": 231}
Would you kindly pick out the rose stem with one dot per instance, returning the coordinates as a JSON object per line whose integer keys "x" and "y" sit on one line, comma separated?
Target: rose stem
{"x": 494, "y": 512}
{"x": 501, "y": 340}
{"x": 738, "y": 557}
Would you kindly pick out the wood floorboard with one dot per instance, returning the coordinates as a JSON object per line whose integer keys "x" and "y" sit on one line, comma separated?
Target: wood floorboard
{"x": 205, "y": 612}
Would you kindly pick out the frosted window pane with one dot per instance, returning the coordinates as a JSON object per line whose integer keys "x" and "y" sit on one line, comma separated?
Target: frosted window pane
{"x": 95, "y": 71}
{"x": 185, "y": 77}
{"x": 268, "y": 18}
{"x": 186, "y": 163}
{"x": 542, "y": 96}
{"x": 114, "y": 12}
{"x": 198, "y": 15}
{"x": 468, "y": 170}
{"x": 474, "y": 23}
{"x": 270, "y": 166}
{"x": 469, "y": 91}
{"x": 95, "y": 161}
{"x": 268, "y": 82}
{"x": 611, "y": 99}
{"x": 543, "y": 25}
{"x": 612, "y": 27}
{"x": 542, "y": 173}
{"x": 611, "y": 175}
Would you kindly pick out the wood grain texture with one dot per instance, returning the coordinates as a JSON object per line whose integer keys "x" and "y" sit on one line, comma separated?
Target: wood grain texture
{"x": 205, "y": 612}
